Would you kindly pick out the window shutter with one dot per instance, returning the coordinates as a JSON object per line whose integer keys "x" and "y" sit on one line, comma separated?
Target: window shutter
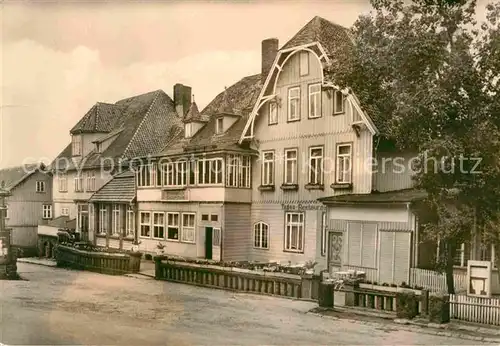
{"x": 354, "y": 234}
{"x": 401, "y": 257}
{"x": 385, "y": 261}
{"x": 369, "y": 247}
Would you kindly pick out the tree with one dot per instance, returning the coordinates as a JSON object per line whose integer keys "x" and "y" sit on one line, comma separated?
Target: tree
{"x": 429, "y": 78}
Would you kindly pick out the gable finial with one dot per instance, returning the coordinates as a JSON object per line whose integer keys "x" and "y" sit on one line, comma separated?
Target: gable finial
{"x": 193, "y": 97}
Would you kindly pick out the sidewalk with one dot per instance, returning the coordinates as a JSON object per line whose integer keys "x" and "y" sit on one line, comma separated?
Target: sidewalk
{"x": 463, "y": 330}
{"x": 40, "y": 261}
{"x": 147, "y": 269}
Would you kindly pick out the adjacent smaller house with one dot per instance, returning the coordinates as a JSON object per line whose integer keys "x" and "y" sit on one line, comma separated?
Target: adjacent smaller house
{"x": 29, "y": 204}
{"x": 116, "y": 211}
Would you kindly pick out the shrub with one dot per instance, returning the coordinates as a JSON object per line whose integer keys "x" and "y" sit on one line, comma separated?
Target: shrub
{"x": 406, "y": 304}
{"x": 148, "y": 257}
{"x": 439, "y": 308}
{"x": 394, "y": 285}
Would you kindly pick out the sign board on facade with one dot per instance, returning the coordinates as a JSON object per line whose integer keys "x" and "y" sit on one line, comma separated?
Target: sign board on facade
{"x": 479, "y": 278}
{"x": 302, "y": 207}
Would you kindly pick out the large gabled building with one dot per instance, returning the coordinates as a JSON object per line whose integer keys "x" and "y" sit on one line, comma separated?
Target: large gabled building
{"x": 102, "y": 144}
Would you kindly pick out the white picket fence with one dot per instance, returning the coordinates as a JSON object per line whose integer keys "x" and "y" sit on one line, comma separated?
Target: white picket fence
{"x": 435, "y": 281}
{"x": 475, "y": 309}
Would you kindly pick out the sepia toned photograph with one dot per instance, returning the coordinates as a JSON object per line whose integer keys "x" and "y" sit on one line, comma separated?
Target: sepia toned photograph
{"x": 250, "y": 172}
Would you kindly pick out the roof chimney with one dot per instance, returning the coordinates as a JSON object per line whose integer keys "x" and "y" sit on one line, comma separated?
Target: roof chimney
{"x": 182, "y": 99}
{"x": 269, "y": 51}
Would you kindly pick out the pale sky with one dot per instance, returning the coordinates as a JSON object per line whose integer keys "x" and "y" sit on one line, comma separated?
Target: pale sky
{"x": 60, "y": 59}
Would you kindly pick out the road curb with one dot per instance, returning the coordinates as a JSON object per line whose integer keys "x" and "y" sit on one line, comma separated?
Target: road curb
{"x": 413, "y": 327}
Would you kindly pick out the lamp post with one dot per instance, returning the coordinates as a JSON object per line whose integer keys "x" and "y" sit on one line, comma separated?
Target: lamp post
{"x": 8, "y": 268}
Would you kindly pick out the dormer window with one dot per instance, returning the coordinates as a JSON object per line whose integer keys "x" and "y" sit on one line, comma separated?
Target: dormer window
{"x": 338, "y": 102}
{"x": 219, "y": 126}
{"x": 98, "y": 147}
{"x": 76, "y": 145}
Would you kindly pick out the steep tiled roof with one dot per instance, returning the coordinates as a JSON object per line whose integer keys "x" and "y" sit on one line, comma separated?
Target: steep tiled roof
{"x": 13, "y": 176}
{"x": 206, "y": 137}
{"x": 119, "y": 189}
{"x": 241, "y": 98}
{"x": 398, "y": 196}
{"x": 333, "y": 37}
{"x": 147, "y": 122}
{"x": 102, "y": 117}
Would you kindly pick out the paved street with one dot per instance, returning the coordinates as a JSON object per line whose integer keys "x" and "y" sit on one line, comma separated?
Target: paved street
{"x": 58, "y": 306}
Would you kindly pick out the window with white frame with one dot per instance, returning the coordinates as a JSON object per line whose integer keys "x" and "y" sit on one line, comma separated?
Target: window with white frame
{"x": 268, "y": 168}
{"x": 116, "y": 219}
{"x": 145, "y": 224}
{"x": 214, "y": 217}
{"x": 63, "y": 182}
{"x": 90, "y": 181}
{"x": 65, "y": 211}
{"x": 144, "y": 175}
{"x": 323, "y": 234}
{"x": 294, "y": 232}
{"x": 40, "y": 186}
{"x": 103, "y": 219}
{"x": 78, "y": 180}
{"x": 245, "y": 171}
{"x": 338, "y": 102}
{"x": 316, "y": 165}
{"x": 344, "y": 163}
{"x": 76, "y": 145}
{"x": 261, "y": 235}
{"x": 462, "y": 255}
{"x": 291, "y": 167}
{"x": 188, "y": 227}
{"x": 304, "y": 63}
{"x": 6, "y": 211}
{"x": 173, "y": 226}
{"x": 315, "y": 100}
{"x": 210, "y": 171}
{"x": 158, "y": 225}
{"x": 175, "y": 173}
{"x": 47, "y": 211}
{"x": 273, "y": 113}
{"x": 293, "y": 104}
{"x": 192, "y": 171}
{"x": 219, "y": 125}
{"x": 232, "y": 164}
{"x": 130, "y": 226}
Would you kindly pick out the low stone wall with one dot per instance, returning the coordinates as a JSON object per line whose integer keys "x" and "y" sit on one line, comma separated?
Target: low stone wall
{"x": 100, "y": 262}
{"x": 237, "y": 279}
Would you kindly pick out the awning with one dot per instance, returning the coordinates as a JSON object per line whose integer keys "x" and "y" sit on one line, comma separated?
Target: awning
{"x": 120, "y": 189}
{"x": 389, "y": 197}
